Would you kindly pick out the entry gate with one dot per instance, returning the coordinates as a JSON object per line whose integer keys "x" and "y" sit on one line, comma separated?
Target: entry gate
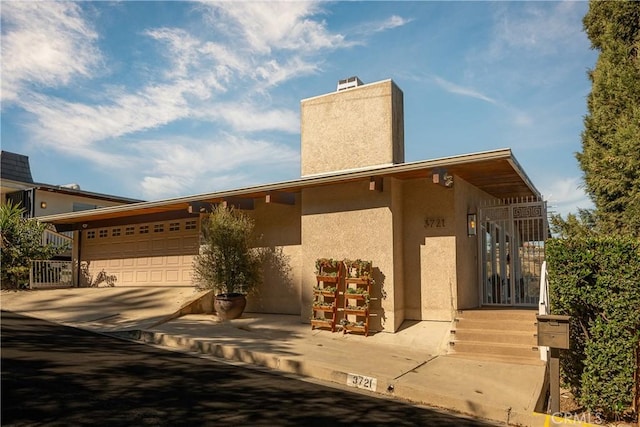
{"x": 511, "y": 251}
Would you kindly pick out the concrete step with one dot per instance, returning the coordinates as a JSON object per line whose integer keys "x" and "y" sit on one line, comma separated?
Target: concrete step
{"x": 498, "y": 349}
{"x": 498, "y": 314}
{"x": 503, "y": 334}
{"x": 496, "y": 325}
{"x": 527, "y": 338}
{"x": 497, "y": 358}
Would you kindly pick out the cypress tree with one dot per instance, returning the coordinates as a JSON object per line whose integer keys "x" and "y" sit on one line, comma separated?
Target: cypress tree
{"x": 610, "y": 157}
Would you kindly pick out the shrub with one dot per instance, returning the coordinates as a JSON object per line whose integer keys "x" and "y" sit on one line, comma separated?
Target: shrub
{"x": 596, "y": 281}
{"x": 227, "y": 262}
{"x": 21, "y": 242}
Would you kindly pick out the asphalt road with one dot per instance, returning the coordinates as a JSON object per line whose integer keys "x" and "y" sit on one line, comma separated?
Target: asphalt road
{"x": 54, "y": 375}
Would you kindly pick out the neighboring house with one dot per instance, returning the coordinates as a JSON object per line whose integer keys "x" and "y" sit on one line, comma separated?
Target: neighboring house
{"x": 444, "y": 235}
{"x": 40, "y": 199}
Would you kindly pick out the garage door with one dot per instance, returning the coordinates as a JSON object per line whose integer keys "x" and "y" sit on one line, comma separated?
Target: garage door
{"x": 154, "y": 254}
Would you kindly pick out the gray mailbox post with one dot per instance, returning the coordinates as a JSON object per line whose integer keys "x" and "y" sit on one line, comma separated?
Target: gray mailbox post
{"x": 553, "y": 332}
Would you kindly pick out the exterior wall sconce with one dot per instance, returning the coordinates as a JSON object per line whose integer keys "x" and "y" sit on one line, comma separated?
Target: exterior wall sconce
{"x": 472, "y": 225}
{"x": 441, "y": 177}
{"x": 43, "y": 205}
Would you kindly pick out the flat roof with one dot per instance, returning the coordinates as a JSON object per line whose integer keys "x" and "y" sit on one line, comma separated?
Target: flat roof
{"x": 495, "y": 172}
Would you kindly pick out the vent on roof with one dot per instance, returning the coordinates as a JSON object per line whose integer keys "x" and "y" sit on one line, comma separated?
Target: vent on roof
{"x": 349, "y": 83}
{"x": 71, "y": 186}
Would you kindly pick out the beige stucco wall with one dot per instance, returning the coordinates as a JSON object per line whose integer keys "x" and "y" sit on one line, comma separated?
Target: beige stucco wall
{"x": 358, "y": 127}
{"x": 468, "y": 199}
{"x": 278, "y": 230}
{"x": 429, "y": 250}
{"x": 397, "y": 209}
{"x": 350, "y": 221}
{"x": 62, "y": 203}
{"x": 440, "y": 259}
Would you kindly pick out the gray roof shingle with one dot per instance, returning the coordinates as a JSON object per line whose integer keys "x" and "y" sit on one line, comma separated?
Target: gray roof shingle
{"x": 15, "y": 167}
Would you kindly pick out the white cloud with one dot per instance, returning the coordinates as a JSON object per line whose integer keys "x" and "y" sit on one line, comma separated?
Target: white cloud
{"x": 265, "y": 26}
{"x": 246, "y": 117}
{"x": 565, "y": 195}
{"x": 187, "y": 165}
{"x": 543, "y": 28}
{"x": 222, "y": 72}
{"x": 391, "y": 22}
{"x": 529, "y": 46}
{"x": 272, "y": 72}
{"x": 45, "y": 43}
{"x": 461, "y": 90}
{"x": 182, "y": 49}
{"x": 519, "y": 118}
{"x": 66, "y": 125}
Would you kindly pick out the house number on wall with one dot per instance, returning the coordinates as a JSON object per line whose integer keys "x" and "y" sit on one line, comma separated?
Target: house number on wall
{"x": 434, "y": 223}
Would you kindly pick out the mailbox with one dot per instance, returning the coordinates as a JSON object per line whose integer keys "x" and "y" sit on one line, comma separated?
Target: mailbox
{"x": 553, "y": 331}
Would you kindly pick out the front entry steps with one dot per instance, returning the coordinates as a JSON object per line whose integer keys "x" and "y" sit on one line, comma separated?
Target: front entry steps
{"x": 500, "y": 334}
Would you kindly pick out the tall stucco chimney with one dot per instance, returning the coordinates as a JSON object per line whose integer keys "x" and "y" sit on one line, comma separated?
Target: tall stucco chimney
{"x": 357, "y": 126}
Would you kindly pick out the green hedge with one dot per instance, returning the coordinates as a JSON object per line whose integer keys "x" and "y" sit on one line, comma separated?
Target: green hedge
{"x": 597, "y": 282}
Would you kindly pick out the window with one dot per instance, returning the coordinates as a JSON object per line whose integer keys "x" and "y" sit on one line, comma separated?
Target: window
{"x": 91, "y": 234}
{"x": 174, "y": 226}
{"x": 103, "y": 233}
{"x": 77, "y": 206}
{"x": 158, "y": 228}
{"x": 115, "y": 232}
{"x": 144, "y": 229}
{"x": 190, "y": 225}
{"x": 129, "y": 231}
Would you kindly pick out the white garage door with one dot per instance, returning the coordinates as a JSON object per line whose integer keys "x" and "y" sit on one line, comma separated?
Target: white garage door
{"x": 154, "y": 254}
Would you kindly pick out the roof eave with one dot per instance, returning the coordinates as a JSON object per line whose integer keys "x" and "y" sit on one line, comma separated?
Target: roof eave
{"x": 296, "y": 185}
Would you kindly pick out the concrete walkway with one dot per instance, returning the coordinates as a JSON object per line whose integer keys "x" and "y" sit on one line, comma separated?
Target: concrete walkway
{"x": 405, "y": 365}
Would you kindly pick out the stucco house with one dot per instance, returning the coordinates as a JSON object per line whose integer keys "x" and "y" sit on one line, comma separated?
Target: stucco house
{"x": 444, "y": 235}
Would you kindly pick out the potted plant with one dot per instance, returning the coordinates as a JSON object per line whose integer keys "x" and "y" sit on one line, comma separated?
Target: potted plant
{"x": 327, "y": 269}
{"x": 227, "y": 263}
{"x": 358, "y": 268}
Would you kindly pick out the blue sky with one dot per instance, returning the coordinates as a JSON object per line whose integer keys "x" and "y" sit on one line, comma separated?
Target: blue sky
{"x": 153, "y": 100}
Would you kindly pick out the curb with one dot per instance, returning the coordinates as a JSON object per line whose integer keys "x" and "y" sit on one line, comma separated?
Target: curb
{"x": 386, "y": 386}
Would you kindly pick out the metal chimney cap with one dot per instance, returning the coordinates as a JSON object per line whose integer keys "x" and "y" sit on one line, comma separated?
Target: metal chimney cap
{"x": 349, "y": 83}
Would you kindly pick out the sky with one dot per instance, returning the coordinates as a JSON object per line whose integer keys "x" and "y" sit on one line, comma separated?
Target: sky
{"x": 153, "y": 100}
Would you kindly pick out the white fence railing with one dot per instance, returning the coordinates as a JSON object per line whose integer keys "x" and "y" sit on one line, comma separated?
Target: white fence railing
{"x": 51, "y": 274}
{"x": 544, "y": 306}
{"x": 57, "y": 239}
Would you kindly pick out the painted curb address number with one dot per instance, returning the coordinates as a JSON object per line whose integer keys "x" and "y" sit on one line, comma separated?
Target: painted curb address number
{"x": 360, "y": 381}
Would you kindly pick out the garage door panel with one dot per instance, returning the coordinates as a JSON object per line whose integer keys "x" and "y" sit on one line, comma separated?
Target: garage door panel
{"x": 128, "y": 248}
{"x": 158, "y": 245}
{"x": 174, "y": 244}
{"x": 186, "y": 276}
{"x": 161, "y": 255}
{"x": 127, "y": 277}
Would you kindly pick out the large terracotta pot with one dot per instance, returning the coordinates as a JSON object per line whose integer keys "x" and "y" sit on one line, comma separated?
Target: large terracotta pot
{"x": 229, "y": 306}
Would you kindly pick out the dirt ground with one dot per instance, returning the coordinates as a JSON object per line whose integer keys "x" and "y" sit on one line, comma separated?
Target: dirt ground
{"x": 569, "y": 406}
